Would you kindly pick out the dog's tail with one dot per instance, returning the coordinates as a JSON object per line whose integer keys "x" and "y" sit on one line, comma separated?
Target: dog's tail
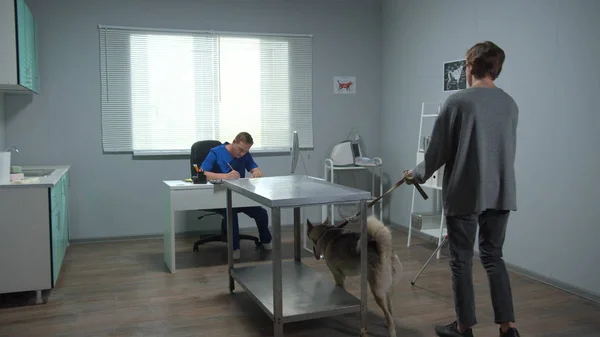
{"x": 383, "y": 236}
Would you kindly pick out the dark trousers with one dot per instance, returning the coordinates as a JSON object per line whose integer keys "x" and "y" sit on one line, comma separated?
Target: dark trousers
{"x": 461, "y": 238}
{"x": 260, "y": 216}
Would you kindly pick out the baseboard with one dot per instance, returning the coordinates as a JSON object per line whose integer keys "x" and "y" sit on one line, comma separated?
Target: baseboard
{"x": 245, "y": 230}
{"x": 115, "y": 238}
{"x": 554, "y": 283}
{"x": 521, "y": 271}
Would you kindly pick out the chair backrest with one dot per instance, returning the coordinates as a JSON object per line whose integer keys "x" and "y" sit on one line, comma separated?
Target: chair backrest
{"x": 199, "y": 151}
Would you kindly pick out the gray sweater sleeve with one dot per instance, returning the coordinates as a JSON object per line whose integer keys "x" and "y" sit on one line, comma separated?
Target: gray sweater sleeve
{"x": 441, "y": 147}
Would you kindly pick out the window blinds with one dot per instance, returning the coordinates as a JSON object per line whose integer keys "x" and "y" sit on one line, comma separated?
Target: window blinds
{"x": 164, "y": 90}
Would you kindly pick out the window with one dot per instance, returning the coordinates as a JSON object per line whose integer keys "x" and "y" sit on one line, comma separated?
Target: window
{"x": 164, "y": 90}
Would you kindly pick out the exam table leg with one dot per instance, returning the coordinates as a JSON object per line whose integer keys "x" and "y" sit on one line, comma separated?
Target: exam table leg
{"x": 277, "y": 274}
{"x": 363, "y": 268}
{"x": 230, "y": 238}
{"x": 297, "y": 235}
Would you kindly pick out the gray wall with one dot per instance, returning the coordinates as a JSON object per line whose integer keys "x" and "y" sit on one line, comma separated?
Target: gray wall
{"x": 550, "y": 71}
{"x": 115, "y": 195}
{"x": 2, "y": 124}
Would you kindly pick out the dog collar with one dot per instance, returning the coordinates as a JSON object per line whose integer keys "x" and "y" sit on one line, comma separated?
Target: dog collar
{"x": 317, "y": 256}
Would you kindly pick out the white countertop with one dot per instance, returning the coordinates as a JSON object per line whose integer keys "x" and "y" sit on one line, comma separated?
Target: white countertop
{"x": 47, "y": 181}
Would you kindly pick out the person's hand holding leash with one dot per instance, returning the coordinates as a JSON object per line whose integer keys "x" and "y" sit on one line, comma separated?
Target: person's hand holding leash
{"x": 408, "y": 177}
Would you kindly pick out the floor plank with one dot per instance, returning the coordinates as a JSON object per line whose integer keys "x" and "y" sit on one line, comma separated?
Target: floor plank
{"x": 123, "y": 289}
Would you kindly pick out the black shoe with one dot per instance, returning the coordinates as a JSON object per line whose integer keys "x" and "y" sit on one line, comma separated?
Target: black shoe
{"x": 512, "y": 332}
{"x": 451, "y": 330}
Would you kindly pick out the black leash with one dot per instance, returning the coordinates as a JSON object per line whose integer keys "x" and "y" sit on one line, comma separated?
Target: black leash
{"x": 369, "y": 205}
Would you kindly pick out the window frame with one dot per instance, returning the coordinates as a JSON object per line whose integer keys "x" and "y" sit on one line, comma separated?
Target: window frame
{"x": 271, "y": 150}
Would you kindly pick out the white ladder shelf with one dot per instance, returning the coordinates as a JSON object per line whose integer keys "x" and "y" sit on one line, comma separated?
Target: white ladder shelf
{"x": 434, "y": 183}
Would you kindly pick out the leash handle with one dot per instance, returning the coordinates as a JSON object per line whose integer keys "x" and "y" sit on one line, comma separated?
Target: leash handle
{"x": 420, "y": 189}
{"x": 384, "y": 194}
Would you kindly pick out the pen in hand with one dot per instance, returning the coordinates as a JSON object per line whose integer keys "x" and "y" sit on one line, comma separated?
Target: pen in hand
{"x": 232, "y": 170}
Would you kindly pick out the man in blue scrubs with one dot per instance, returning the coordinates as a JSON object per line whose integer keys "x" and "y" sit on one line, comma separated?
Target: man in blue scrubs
{"x": 231, "y": 161}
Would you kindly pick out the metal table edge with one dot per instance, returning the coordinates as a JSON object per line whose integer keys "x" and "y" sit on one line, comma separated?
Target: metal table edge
{"x": 322, "y": 314}
{"x": 307, "y": 201}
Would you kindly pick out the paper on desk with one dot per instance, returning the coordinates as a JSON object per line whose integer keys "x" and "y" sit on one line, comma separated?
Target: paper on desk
{"x": 182, "y": 183}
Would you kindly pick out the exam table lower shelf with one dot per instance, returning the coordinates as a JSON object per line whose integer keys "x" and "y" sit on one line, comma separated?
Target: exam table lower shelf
{"x": 306, "y": 293}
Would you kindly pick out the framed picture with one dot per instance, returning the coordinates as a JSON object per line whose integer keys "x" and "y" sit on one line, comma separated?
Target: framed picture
{"x": 344, "y": 84}
{"x": 455, "y": 77}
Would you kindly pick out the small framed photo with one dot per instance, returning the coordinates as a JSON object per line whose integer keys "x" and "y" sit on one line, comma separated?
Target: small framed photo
{"x": 344, "y": 85}
{"x": 455, "y": 76}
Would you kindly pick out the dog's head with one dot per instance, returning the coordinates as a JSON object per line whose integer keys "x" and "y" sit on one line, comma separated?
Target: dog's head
{"x": 315, "y": 232}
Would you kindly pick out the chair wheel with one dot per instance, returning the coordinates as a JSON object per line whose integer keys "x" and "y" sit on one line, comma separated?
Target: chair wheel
{"x": 195, "y": 248}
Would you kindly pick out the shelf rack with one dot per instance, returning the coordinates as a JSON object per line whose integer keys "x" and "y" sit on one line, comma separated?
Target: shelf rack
{"x": 429, "y": 223}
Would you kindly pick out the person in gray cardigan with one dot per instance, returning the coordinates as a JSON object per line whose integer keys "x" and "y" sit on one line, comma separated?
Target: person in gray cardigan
{"x": 475, "y": 138}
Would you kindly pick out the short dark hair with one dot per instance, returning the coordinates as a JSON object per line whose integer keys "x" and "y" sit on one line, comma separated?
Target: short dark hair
{"x": 244, "y": 137}
{"x": 485, "y": 58}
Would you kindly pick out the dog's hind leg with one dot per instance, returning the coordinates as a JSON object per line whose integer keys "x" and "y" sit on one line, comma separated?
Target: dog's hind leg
{"x": 382, "y": 300}
{"x": 339, "y": 279}
{"x": 389, "y": 302}
{"x": 396, "y": 271}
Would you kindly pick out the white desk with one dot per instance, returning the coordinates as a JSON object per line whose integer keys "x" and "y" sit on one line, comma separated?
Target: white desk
{"x": 183, "y": 196}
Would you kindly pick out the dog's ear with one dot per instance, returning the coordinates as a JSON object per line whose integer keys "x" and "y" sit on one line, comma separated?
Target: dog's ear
{"x": 309, "y": 224}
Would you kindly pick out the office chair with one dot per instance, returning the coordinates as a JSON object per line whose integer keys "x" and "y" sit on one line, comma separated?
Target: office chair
{"x": 199, "y": 151}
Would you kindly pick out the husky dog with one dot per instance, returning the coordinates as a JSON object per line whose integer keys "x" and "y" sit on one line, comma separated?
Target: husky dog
{"x": 341, "y": 250}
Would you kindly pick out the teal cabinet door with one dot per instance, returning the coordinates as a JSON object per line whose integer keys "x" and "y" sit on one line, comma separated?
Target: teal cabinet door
{"x": 66, "y": 217}
{"x": 59, "y": 227}
{"x": 27, "y": 47}
{"x": 22, "y": 46}
{"x": 35, "y": 76}
{"x": 56, "y": 256}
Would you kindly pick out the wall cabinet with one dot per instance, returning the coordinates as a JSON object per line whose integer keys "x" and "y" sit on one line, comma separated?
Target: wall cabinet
{"x": 19, "y": 70}
{"x": 34, "y": 234}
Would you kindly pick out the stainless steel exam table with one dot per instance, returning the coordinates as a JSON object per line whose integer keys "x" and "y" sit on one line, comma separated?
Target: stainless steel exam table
{"x": 290, "y": 291}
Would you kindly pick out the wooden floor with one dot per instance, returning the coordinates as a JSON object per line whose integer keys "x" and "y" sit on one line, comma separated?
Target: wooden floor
{"x": 123, "y": 289}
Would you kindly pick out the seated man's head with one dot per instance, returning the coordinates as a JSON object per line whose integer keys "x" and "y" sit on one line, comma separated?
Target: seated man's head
{"x": 484, "y": 62}
{"x": 241, "y": 144}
